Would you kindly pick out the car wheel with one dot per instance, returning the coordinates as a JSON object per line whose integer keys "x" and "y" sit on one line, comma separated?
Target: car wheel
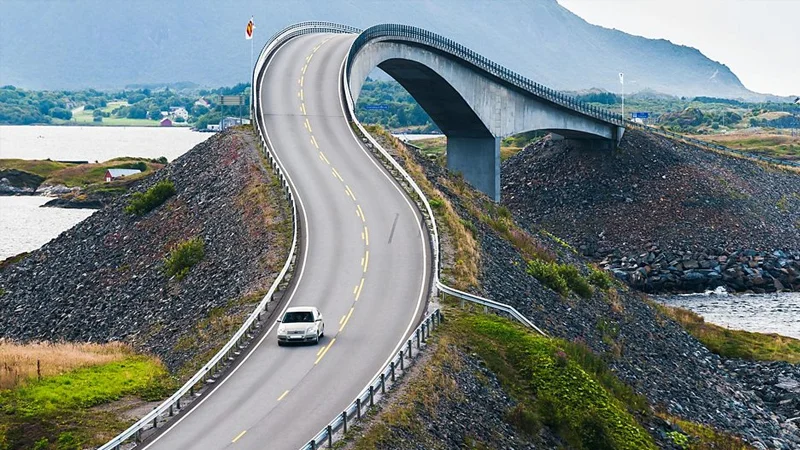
{"x": 280, "y": 344}
{"x": 316, "y": 341}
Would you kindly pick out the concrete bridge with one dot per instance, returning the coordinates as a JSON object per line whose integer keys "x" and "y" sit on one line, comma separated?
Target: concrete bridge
{"x": 474, "y": 101}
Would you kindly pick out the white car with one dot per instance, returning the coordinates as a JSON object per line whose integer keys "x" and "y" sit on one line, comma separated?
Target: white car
{"x": 301, "y": 324}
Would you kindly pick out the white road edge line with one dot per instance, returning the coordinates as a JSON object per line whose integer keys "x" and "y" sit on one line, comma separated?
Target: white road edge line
{"x": 288, "y": 302}
{"x": 413, "y": 211}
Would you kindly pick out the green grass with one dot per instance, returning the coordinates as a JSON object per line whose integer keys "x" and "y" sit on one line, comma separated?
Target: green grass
{"x": 774, "y": 145}
{"x": 736, "y": 343}
{"x": 561, "y": 278}
{"x": 84, "y": 117}
{"x": 142, "y": 203}
{"x": 43, "y": 168}
{"x": 183, "y": 256}
{"x": 555, "y": 384}
{"x": 696, "y": 436}
{"x": 56, "y": 411}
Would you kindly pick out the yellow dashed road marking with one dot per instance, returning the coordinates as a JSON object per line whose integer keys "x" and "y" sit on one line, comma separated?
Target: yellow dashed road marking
{"x": 366, "y": 234}
{"x": 361, "y": 213}
{"x": 322, "y": 155}
{"x": 286, "y": 392}
{"x": 241, "y": 434}
{"x": 366, "y": 261}
{"x": 314, "y": 141}
{"x": 301, "y": 80}
{"x": 325, "y": 351}
{"x": 353, "y": 196}
{"x": 360, "y": 286}
{"x": 346, "y": 319}
{"x": 304, "y": 69}
{"x": 303, "y": 108}
{"x": 336, "y": 174}
{"x": 308, "y": 125}
{"x": 342, "y": 319}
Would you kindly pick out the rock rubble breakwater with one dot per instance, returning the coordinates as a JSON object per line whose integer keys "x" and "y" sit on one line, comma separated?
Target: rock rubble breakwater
{"x": 657, "y": 271}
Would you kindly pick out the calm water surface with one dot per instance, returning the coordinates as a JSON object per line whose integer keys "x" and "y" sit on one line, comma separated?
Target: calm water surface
{"x": 73, "y": 143}
{"x": 765, "y": 313}
{"x": 24, "y": 226}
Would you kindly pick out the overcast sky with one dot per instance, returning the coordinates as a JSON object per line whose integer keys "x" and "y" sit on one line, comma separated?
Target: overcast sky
{"x": 758, "y": 39}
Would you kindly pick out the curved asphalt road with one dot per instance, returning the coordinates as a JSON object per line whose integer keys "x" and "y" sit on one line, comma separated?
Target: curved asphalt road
{"x": 364, "y": 264}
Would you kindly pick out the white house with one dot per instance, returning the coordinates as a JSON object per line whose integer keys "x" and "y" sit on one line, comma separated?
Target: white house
{"x": 179, "y": 111}
{"x": 202, "y": 102}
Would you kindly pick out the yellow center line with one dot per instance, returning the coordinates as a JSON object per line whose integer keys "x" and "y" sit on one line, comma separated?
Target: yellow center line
{"x": 308, "y": 59}
{"x": 366, "y": 261}
{"x": 360, "y": 286}
{"x": 342, "y": 319}
{"x": 308, "y": 125}
{"x": 320, "y": 350}
{"x": 361, "y": 213}
{"x": 325, "y": 351}
{"x": 301, "y": 81}
{"x": 304, "y": 69}
{"x": 241, "y": 434}
{"x": 346, "y": 319}
{"x": 303, "y": 108}
{"x": 283, "y": 395}
{"x": 336, "y": 174}
{"x": 322, "y": 155}
{"x": 350, "y": 192}
{"x": 314, "y": 141}
{"x": 366, "y": 234}
{"x": 302, "y": 97}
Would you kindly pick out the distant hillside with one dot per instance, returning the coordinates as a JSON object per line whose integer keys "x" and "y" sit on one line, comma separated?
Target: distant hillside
{"x": 56, "y": 45}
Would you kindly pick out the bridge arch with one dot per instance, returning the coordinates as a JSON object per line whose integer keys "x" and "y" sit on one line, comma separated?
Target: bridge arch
{"x": 474, "y": 101}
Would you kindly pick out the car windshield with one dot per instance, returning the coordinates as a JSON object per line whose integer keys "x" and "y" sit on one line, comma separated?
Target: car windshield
{"x": 298, "y": 316}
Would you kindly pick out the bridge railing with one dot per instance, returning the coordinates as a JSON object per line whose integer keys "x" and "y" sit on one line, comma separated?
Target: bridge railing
{"x": 448, "y": 46}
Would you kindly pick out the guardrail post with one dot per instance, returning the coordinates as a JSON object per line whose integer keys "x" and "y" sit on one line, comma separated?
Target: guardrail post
{"x": 358, "y": 408}
{"x": 138, "y": 436}
{"x": 178, "y": 403}
{"x": 313, "y": 444}
{"x": 383, "y": 383}
{"x": 392, "y": 367}
{"x": 402, "y": 359}
{"x": 170, "y": 411}
{"x": 344, "y": 421}
{"x": 417, "y": 333}
{"x": 409, "y": 348}
{"x": 155, "y": 422}
{"x": 371, "y": 395}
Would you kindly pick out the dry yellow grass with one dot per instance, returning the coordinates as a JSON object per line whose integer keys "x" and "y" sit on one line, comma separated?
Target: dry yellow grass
{"x": 18, "y": 362}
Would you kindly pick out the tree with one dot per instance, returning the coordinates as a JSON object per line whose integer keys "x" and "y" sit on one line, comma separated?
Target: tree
{"x": 154, "y": 112}
{"x": 137, "y": 112}
{"x": 61, "y": 113}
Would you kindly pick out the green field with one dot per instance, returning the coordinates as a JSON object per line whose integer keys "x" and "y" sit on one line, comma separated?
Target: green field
{"x": 83, "y": 117}
{"x": 72, "y": 175}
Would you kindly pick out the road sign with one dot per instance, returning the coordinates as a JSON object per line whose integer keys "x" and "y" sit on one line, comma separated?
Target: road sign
{"x": 640, "y": 115}
{"x": 381, "y": 107}
{"x": 231, "y": 100}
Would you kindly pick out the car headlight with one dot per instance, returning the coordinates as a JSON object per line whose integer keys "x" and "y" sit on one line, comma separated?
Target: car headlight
{"x": 311, "y": 330}
{"x": 281, "y": 330}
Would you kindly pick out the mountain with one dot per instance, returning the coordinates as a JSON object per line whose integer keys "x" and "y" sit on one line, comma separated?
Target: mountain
{"x": 110, "y": 44}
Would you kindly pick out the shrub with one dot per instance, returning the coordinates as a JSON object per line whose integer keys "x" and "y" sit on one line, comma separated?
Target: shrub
{"x": 142, "y": 203}
{"x": 183, "y": 256}
{"x": 547, "y": 273}
{"x": 600, "y": 278}
{"x": 575, "y": 280}
{"x": 436, "y": 203}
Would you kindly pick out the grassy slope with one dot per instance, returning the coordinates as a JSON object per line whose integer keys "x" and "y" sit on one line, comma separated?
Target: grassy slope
{"x": 84, "y": 117}
{"x": 736, "y": 343}
{"x": 57, "y": 408}
{"x": 782, "y": 146}
{"x": 72, "y": 175}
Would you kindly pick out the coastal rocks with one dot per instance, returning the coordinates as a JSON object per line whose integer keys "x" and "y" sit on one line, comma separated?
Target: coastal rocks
{"x": 653, "y": 191}
{"x": 104, "y": 280}
{"x": 657, "y": 271}
{"x": 16, "y": 182}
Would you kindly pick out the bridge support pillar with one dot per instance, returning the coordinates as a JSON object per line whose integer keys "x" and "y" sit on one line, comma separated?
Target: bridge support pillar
{"x": 478, "y": 159}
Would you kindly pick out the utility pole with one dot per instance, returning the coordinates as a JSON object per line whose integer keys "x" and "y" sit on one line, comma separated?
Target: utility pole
{"x": 622, "y": 82}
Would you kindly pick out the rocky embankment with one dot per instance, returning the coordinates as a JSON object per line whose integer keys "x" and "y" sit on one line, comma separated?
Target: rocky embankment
{"x": 658, "y": 199}
{"x": 647, "y": 350}
{"x": 104, "y": 279}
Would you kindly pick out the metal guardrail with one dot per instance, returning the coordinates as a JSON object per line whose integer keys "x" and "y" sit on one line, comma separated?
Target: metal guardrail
{"x": 233, "y": 347}
{"x": 502, "y": 307}
{"x": 713, "y": 146}
{"x": 396, "y": 368}
{"x": 427, "y": 38}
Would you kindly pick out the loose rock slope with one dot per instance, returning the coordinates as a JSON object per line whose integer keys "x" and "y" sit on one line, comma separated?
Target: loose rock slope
{"x": 667, "y": 215}
{"x": 104, "y": 280}
{"x": 647, "y": 350}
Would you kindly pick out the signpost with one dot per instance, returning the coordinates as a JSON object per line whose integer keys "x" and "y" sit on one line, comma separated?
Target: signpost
{"x": 232, "y": 100}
